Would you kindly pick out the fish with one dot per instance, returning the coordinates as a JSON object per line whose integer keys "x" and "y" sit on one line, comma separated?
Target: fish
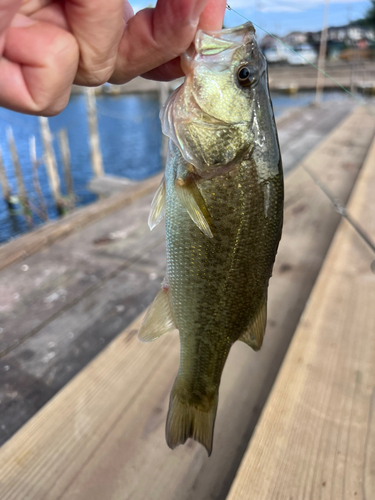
{"x": 222, "y": 198}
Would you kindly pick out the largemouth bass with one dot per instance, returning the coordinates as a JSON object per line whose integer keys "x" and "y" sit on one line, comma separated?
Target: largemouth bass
{"x": 222, "y": 196}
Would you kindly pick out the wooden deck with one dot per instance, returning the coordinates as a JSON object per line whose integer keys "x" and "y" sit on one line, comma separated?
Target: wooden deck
{"x": 102, "y": 436}
{"x": 316, "y": 435}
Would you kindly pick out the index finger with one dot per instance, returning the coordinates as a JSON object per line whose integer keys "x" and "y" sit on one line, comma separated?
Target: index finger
{"x": 154, "y": 37}
{"x": 97, "y": 26}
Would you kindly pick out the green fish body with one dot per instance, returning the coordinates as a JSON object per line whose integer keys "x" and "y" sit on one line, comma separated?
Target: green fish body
{"x": 222, "y": 197}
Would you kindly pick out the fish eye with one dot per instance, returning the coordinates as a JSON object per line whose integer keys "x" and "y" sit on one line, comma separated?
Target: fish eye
{"x": 245, "y": 76}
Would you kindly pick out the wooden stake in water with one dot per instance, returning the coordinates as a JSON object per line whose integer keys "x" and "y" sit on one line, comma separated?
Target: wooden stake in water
{"x": 17, "y": 170}
{"x": 65, "y": 153}
{"x": 51, "y": 165}
{"x": 96, "y": 155}
{"x": 4, "y": 182}
{"x": 322, "y": 55}
{"x": 42, "y": 211}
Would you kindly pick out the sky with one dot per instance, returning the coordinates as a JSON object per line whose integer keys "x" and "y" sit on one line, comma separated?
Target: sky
{"x": 282, "y": 16}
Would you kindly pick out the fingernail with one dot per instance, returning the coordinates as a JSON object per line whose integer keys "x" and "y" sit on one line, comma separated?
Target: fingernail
{"x": 20, "y": 21}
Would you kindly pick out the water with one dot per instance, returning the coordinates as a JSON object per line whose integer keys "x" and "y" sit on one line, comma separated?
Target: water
{"x": 130, "y": 139}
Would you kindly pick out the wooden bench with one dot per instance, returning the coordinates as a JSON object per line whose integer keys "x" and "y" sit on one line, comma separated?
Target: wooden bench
{"x": 102, "y": 436}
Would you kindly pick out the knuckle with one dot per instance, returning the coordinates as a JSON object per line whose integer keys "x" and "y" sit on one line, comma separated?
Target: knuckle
{"x": 95, "y": 74}
{"x": 52, "y": 95}
{"x": 63, "y": 49}
{"x": 92, "y": 79}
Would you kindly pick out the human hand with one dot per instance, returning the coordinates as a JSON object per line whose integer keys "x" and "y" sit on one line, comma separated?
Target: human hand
{"x": 154, "y": 39}
{"x": 47, "y": 45}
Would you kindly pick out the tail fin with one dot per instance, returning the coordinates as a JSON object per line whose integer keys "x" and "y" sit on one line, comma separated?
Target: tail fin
{"x": 190, "y": 420}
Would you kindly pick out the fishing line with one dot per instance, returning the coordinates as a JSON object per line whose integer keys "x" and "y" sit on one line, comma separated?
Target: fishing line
{"x": 298, "y": 54}
{"x": 343, "y": 212}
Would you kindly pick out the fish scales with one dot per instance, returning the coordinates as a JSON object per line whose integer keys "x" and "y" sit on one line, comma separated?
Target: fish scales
{"x": 218, "y": 284}
{"x": 223, "y": 201}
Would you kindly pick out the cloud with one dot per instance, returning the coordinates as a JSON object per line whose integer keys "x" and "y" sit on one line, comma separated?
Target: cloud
{"x": 283, "y": 5}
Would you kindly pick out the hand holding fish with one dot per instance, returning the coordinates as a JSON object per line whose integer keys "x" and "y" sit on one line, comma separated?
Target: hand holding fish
{"x": 47, "y": 45}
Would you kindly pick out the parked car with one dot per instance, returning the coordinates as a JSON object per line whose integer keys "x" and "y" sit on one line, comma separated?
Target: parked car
{"x": 306, "y": 51}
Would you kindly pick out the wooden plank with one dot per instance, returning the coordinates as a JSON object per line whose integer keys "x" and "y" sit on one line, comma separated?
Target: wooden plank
{"x": 53, "y": 280}
{"x": 316, "y": 436}
{"x": 306, "y": 130}
{"x": 44, "y": 361}
{"x": 107, "y": 185}
{"x": 102, "y": 436}
{"x": 26, "y": 245}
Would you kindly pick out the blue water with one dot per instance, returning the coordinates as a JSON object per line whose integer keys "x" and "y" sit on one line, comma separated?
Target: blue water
{"x": 130, "y": 140}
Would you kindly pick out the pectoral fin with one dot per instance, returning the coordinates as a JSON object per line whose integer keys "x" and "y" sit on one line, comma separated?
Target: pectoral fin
{"x": 157, "y": 206}
{"x": 253, "y": 335}
{"x": 193, "y": 202}
{"x": 159, "y": 318}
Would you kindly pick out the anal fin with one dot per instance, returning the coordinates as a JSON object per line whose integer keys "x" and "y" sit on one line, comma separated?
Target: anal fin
{"x": 193, "y": 202}
{"x": 157, "y": 206}
{"x": 254, "y": 333}
{"x": 159, "y": 318}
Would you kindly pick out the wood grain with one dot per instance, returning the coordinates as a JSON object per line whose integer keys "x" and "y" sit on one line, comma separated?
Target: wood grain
{"x": 316, "y": 436}
{"x": 102, "y": 436}
{"x": 30, "y": 243}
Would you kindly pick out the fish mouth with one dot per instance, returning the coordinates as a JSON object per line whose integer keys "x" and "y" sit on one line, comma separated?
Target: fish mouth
{"x": 215, "y": 42}
{"x": 209, "y": 45}
{"x": 234, "y": 34}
